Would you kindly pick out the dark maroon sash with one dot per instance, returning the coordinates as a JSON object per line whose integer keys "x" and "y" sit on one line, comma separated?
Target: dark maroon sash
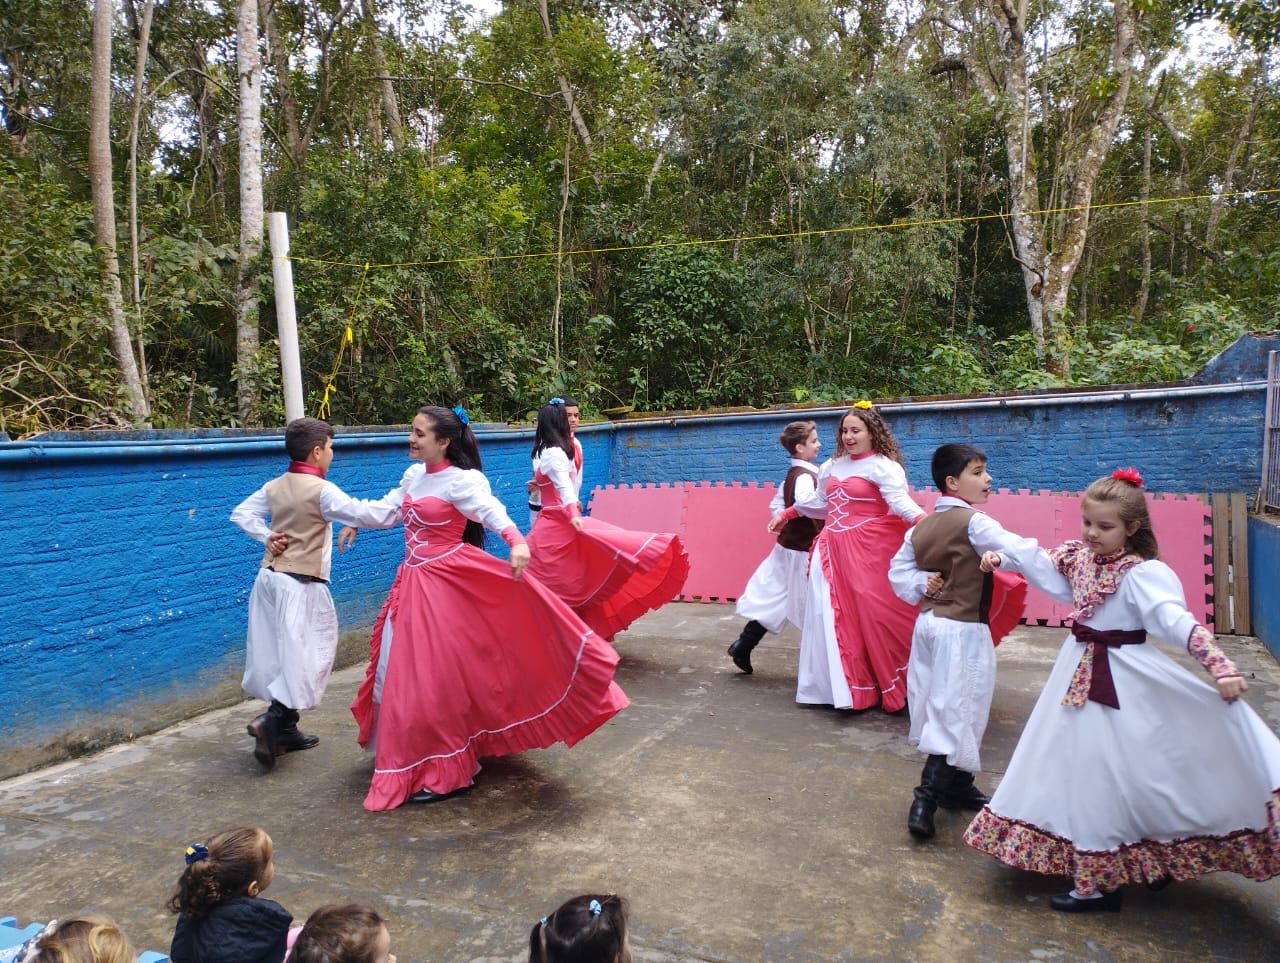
{"x": 1101, "y": 687}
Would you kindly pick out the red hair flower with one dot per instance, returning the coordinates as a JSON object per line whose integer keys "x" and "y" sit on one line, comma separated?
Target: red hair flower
{"x": 1130, "y": 475}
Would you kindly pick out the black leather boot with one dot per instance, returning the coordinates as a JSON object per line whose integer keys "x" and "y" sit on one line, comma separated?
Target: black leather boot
{"x": 740, "y": 649}
{"x": 961, "y": 793}
{"x": 288, "y": 738}
{"x": 265, "y": 730}
{"x": 925, "y": 804}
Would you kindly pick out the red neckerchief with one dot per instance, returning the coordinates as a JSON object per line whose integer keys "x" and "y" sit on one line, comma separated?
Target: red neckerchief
{"x": 305, "y": 468}
{"x": 439, "y": 466}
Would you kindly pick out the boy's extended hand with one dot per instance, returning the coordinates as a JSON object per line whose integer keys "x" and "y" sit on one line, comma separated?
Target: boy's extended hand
{"x": 990, "y": 561}
{"x": 346, "y": 537}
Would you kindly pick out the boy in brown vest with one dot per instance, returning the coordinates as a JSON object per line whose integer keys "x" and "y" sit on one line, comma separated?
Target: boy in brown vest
{"x": 292, "y": 634}
{"x": 952, "y": 670}
{"x": 776, "y": 592}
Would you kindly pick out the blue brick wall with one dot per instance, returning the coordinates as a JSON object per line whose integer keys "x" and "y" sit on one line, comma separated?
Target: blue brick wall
{"x": 1197, "y": 440}
{"x": 127, "y": 585}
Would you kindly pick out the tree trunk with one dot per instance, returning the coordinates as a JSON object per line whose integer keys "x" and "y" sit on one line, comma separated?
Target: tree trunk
{"x": 1049, "y": 255}
{"x": 104, "y": 211}
{"x": 293, "y": 142}
{"x": 1219, "y": 202}
{"x": 390, "y": 106}
{"x": 135, "y": 121}
{"x": 249, "y": 67}
{"x": 566, "y": 91}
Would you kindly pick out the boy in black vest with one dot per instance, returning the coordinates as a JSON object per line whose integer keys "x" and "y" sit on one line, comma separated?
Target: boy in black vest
{"x": 776, "y": 592}
{"x": 951, "y": 674}
{"x": 292, "y": 634}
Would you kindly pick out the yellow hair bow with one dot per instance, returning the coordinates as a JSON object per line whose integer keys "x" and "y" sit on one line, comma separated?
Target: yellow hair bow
{"x": 862, "y": 404}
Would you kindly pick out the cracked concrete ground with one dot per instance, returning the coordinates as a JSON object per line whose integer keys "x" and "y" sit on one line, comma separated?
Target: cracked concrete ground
{"x": 740, "y": 826}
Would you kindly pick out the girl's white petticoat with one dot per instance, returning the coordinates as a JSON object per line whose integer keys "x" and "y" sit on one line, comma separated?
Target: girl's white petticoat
{"x": 1176, "y": 782}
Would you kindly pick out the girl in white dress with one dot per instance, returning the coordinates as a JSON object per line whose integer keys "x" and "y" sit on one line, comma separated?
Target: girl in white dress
{"x": 1131, "y": 769}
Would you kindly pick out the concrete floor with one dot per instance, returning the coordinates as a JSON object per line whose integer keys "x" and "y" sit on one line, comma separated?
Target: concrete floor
{"x": 739, "y": 825}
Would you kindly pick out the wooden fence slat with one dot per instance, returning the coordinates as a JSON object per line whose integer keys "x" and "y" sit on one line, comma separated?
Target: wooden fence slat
{"x": 1240, "y": 565}
{"x": 1219, "y": 504}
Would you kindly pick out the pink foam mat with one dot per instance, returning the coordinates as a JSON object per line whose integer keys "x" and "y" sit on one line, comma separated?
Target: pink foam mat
{"x": 724, "y": 530}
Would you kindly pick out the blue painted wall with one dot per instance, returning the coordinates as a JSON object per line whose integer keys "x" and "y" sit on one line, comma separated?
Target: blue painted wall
{"x": 1264, "y": 580}
{"x": 1183, "y": 440}
{"x": 127, "y": 585}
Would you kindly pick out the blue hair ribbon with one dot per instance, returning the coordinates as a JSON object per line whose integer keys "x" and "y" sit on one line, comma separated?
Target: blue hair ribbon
{"x": 462, "y": 414}
{"x": 196, "y": 853}
{"x": 595, "y": 907}
{"x": 557, "y": 400}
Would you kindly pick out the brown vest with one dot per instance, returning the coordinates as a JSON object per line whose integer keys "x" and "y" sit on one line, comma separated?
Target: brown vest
{"x": 799, "y": 533}
{"x": 295, "y": 510}
{"x": 941, "y": 544}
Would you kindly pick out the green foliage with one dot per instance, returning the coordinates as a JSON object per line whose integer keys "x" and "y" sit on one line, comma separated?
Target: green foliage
{"x": 852, "y": 199}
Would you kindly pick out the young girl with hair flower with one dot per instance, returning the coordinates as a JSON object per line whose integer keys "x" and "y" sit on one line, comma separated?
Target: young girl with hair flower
{"x": 1131, "y": 769}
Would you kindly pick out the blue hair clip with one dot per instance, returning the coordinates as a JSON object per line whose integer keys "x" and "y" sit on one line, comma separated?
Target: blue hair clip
{"x": 556, "y": 401}
{"x": 462, "y": 415}
{"x": 595, "y": 907}
{"x": 544, "y": 921}
{"x": 195, "y": 853}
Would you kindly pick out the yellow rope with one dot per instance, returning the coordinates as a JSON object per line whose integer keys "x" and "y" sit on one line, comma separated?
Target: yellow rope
{"x": 347, "y": 338}
{"x": 482, "y": 258}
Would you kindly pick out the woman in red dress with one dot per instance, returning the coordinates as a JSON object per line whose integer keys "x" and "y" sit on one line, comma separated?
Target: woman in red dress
{"x": 467, "y": 658}
{"x": 608, "y": 575}
{"x": 857, "y": 633}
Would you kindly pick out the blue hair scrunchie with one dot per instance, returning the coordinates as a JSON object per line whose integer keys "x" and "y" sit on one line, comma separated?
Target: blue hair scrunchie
{"x": 462, "y": 414}
{"x": 196, "y": 853}
{"x": 556, "y": 401}
{"x": 595, "y": 907}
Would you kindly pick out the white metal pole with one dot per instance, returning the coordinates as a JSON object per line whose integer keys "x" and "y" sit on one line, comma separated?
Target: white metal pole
{"x": 286, "y": 315}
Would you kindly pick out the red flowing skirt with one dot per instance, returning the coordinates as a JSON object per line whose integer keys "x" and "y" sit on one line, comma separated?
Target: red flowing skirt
{"x": 480, "y": 665}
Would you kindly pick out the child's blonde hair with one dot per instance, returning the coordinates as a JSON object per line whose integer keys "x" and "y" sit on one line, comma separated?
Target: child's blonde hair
{"x": 83, "y": 939}
{"x": 1131, "y": 504}
{"x": 882, "y": 440}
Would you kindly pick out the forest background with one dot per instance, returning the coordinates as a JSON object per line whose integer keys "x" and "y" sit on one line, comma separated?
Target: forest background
{"x": 661, "y": 204}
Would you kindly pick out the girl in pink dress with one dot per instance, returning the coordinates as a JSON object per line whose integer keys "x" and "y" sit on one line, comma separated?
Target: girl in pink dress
{"x": 467, "y": 658}
{"x": 610, "y": 576}
{"x": 857, "y": 633}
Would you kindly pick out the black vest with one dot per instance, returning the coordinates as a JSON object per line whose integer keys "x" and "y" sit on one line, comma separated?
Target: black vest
{"x": 799, "y": 533}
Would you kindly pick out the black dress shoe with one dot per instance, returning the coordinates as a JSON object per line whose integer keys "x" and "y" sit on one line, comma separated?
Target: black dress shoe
{"x": 427, "y": 796}
{"x": 920, "y": 819}
{"x": 1156, "y": 885}
{"x": 971, "y": 799}
{"x": 265, "y": 729}
{"x": 740, "y": 652}
{"x": 292, "y": 740}
{"x": 1106, "y": 903}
